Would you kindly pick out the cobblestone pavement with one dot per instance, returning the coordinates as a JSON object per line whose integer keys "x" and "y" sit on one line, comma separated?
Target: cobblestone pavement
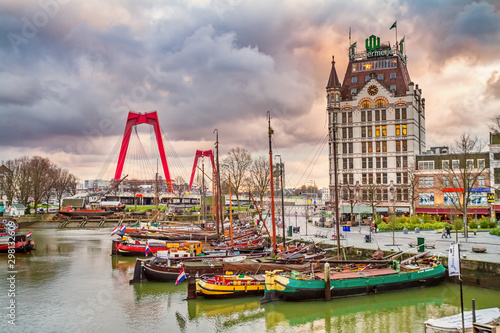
{"x": 384, "y": 240}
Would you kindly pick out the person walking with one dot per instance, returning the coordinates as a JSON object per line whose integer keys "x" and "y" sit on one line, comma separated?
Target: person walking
{"x": 443, "y": 234}
{"x": 448, "y": 231}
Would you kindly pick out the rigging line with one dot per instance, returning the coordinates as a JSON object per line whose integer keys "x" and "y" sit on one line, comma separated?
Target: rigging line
{"x": 107, "y": 163}
{"x": 315, "y": 159}
{"x": 301, "y": 166}
{"x": 322, "y": 141}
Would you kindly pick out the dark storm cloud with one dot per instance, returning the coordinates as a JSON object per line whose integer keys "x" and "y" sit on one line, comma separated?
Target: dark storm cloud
{"x": 221, "y": 64}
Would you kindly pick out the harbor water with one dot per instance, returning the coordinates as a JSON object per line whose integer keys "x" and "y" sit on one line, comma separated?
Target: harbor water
{"x": 71, "y": 283}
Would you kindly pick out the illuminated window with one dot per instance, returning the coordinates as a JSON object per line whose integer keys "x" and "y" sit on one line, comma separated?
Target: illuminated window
{"x": 384, "y": 130}
{"x": 354, "y": 79}
{"x": 377, "y": 146}
{"x": 366, "y": 104}
{"x": 398, "y": 129}
{"x": 393, "y": 75}
{"x": 384, "y": 146}
{"x": 370, "y": 149}
{"x": 379, "y": 103}
{"x": 377, "y": 130}
{"x": 404, "y": 129}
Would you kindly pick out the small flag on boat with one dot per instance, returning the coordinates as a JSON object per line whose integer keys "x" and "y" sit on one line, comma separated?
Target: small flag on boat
{"x": 181, "y": 277}
{"x": 115, "y": 230}
{"x": 28, "y": 235}
{"x": 147, "y": 250}
{"x": 122, "y": 229}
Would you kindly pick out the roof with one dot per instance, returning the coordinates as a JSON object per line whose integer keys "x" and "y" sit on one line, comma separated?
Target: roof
{"x": 333, "y": 80}
{"x": 18, "y": 206}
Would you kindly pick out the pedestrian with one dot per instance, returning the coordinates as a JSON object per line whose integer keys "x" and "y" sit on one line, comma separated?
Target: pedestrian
{"x": 443, "y": 234}
{"x": 448, "y": 231}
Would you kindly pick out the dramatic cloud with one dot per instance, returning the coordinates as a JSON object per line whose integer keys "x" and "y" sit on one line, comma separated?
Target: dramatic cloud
{"x": 70, "y": 71}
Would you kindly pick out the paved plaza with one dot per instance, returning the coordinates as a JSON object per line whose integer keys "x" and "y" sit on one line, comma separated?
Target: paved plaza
{"x": 384, "y": 240}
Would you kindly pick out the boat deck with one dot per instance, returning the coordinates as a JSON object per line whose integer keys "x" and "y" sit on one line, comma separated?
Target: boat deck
{"x": 354, "y": 275}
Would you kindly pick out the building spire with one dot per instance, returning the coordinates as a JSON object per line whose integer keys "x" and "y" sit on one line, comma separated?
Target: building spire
{"x": 333, "y": 81}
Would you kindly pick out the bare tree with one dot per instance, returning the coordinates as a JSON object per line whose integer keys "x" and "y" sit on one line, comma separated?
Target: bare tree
{"x": 411, "y": 186}
{"x": 22, "y": 181}
{"x": 373, "y": 196}
{"x": 259, "y": 178}
{"x": 495, "y": 124}
{"x": 237, "y": 165}
{"x": 7, "y": 181}
{"x": 350, "y": 194}
{"x": 463, "y": 173}
{"x": 64, "y": 184}
{"x": 41, "y": 173}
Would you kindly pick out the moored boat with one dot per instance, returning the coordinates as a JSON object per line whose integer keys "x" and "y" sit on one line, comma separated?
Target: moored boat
{"x": 130, "y": 247}
{"x": 230, "y": 285}
{"x": 296, "y": 286}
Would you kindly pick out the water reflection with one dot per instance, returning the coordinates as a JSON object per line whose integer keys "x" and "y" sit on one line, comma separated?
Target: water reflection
{"x": 71, "y": 283}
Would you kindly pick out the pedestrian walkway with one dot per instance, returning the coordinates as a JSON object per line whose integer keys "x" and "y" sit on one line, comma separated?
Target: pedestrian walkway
{"x": 401, "y": 242}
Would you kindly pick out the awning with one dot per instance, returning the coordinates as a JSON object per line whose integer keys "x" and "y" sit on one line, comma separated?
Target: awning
{"x": 452, "y": 210}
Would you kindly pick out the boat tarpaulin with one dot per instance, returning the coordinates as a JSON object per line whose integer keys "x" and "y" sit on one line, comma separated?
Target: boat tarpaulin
{"x": 483, "y": 316}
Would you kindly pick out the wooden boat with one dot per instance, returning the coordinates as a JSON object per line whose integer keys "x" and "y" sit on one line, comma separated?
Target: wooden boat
{"x": 230, "y": 285}
{"x": 246, "y": 245}
{"x": 158, "y": 269}
{"x": 131, "y": 247}
{"x": 454, "y": 323}
{"x": 85, "y": 212}
{"x": 302, "y": 287}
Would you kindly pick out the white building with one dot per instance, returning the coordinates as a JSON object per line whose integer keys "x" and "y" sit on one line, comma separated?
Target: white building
{"x": 377, "y": 116}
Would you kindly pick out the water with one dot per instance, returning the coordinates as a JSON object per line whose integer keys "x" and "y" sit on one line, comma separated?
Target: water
{"x": 71, "y": 283}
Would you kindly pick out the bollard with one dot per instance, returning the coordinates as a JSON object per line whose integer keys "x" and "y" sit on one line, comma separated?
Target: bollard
{"x": 328, "y": 296}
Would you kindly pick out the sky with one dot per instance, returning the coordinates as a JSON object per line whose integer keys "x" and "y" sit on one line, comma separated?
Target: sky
{"x": 70, "y": 71}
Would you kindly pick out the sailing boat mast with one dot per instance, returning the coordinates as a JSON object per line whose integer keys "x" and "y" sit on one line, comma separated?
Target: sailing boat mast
{"x": 270, "y": 132}
{"x": 219, "y": 199}
{"x": 156, "y": 191}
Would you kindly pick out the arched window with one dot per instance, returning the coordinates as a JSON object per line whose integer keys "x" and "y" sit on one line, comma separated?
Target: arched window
{"x": 379, "y": 103}
{"x": 366, "y": 104}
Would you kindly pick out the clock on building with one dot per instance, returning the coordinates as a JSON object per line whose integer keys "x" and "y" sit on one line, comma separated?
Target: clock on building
{"x": 372, "y": 90}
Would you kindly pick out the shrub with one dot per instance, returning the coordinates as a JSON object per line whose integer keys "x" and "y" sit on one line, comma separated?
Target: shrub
{"x": 458, "y": 224}
{"x": 473, "y": 224}
{"x": 495, "y": 231}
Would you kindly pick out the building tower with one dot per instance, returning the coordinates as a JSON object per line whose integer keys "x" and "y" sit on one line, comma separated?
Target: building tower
{"x": 380, "y": 125}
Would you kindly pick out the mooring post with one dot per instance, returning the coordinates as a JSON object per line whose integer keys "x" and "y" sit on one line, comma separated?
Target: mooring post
{"x": 473, "y": 311}
{"x": 328, "y": 296}
{"x": 191, "y": 294}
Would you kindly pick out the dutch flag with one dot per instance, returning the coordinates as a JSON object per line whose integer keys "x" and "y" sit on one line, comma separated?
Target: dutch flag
{"x": 28, "y": 235}
{"x": 181, "y": 277}
{"x": 122, "y": 229}
{"x": 115, "y": 230}
{"x": 147, "y": 250}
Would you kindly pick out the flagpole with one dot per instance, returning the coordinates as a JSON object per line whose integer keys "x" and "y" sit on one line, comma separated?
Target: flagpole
{"x": 396, "y": 35}
{"x": 461, "y": 292}
{"x": 349, "y": 36}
